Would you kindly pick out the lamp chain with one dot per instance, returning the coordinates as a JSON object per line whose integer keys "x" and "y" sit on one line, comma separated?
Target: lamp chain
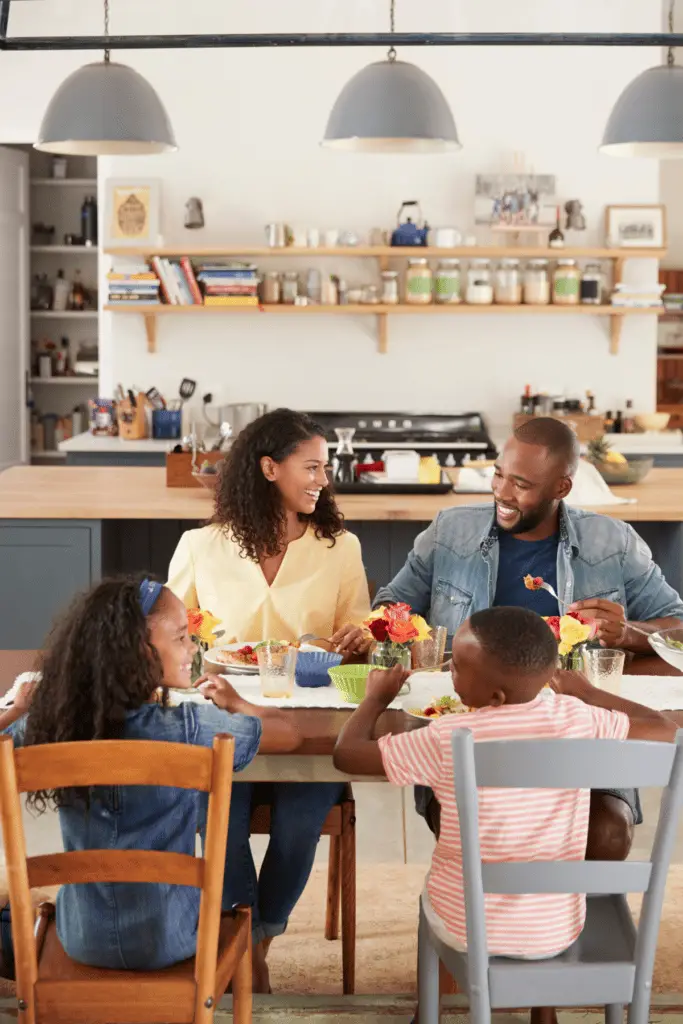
{"x": 106, "y": 30}
{"x": 670, "y": 52}
{"x": 391, "y": 55}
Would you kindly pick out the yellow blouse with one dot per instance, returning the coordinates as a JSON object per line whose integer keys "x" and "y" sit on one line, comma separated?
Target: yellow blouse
{"x": 318, "y": 588}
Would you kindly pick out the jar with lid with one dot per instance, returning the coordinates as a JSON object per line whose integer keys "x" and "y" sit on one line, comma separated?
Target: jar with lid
{"x": 508, "y": 283}
{"x": 479, "y": 290}
{"x": 566, "y": 283}
{"x": 270, "y": 288}
{"x": 591, "y": 285}
{"x": 290, "y": 287}
{"x": 389, "y": 287}
{"x": 447, "y": 282}
{"x": 536, "y": 283}
{"x": 418, "y": 282}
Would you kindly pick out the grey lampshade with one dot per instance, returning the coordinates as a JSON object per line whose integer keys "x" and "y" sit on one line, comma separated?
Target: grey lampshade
{"x": 391, "y": 107}
{"x": 647, "y": 119}
{"x": 105, "y": 109}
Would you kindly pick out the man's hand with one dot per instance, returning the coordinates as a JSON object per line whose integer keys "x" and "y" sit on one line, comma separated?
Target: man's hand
{"x": 351, "y": 640}
{"x": 219, "y": 690}
{"x": 610, "y": 618}
{"x": 384, "y": 684}
{"x": 573, "y": 684}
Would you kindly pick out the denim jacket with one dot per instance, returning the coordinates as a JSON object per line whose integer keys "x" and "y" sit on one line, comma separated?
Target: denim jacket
{"x": 453, "y": 567}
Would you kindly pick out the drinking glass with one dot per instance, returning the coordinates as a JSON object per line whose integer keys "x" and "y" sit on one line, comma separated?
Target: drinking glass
{"x": 604, "y": 668}
{"x": 428, "y": 655}
{"x": 277, "y": 664}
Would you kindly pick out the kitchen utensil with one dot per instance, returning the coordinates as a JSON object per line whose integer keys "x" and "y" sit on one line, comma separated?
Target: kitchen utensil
{"x": 166, "y": 424}
{"x": 119, "y": 393}
{"x": 652, "y": 420}
{"x": 351, "y": 680}
{"x": 311, "y": 638}
{"x": 132, "y": 399}
{"x": 312, "y": 667}
{"x": 187, "y": 388}
{"x": 668, "y": 644}
{"x": 409, "y": 233}
{"x": 155, "y": 398}
{"x": 344, "y": 459}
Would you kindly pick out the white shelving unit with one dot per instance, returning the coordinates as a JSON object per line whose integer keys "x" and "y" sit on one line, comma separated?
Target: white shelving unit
{"x": 56, "y": 202}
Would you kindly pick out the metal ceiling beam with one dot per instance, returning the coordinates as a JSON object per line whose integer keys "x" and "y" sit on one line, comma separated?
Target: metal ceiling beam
{"x": 343, "y": 39}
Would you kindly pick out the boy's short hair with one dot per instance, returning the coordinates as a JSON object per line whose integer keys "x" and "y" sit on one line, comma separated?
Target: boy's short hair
{"x": 516, "y": 637}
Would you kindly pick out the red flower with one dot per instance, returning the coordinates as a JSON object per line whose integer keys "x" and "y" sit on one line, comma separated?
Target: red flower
{"x": 399, "y": 612}
{"x": 554, "y": 624}
{"x": 401, "y": 631}
{"x": 378, "y": 628}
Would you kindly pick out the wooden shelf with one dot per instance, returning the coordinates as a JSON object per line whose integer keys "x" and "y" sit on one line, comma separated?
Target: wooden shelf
{"x": 66, "y": 182}
{"x": 391, "y": 252}
{"x": 68, "y": 314}
{"x": 151, "y": 312}
{"x": 89, "y": 250}
{"x": 66, "y": 381}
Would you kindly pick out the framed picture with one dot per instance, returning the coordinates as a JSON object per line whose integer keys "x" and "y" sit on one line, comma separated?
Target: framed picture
{"x": 515, "y": 201}
{"x": 131, "y": 212}
{"x": 636, "y": 227}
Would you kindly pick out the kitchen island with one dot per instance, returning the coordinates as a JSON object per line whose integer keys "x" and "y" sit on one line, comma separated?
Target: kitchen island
{"x": 62, "y": 528}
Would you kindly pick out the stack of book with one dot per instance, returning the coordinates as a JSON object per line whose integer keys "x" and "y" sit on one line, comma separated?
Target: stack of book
{"x": 228, "y": 284}
{"x": 178, "y": 283}
{"x": 133, "y": 284}
{"x": 632, "y": 296}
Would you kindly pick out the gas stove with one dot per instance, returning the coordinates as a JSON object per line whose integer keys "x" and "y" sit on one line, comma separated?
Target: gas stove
{"x": 453, "y": 439}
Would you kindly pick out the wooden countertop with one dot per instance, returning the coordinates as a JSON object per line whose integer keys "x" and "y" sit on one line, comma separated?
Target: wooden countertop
{"x": 104, "y": 492}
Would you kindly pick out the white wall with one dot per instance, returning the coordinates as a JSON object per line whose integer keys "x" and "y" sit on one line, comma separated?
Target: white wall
{"x": 248, "y": 123}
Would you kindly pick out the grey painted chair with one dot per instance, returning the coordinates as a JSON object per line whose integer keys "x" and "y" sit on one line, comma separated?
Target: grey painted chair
{"x": 611, "y": 962}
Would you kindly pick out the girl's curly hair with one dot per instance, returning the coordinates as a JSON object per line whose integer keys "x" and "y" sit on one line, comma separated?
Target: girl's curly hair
{"x": 99, "y": 664}
{"x": 248, "y": 507}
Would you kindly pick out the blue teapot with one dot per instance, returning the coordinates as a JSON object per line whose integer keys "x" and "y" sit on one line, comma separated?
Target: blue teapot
{"x": 409, "y": 233}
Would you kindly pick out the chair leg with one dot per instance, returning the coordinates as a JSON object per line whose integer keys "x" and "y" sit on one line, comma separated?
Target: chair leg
{"x": 428, "y": 1003}
{"x": 614, "y": 1013}
{"x": 348, "y": 897}
{"x": 333, "y": 889}
{"x": 242, "y": 998}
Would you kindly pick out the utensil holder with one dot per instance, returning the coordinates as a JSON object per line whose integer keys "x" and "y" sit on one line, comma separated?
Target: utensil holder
{"x": 167, "y": 424}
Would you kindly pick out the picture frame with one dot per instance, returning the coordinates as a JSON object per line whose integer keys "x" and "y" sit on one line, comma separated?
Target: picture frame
{"x": 132, "y": 208}
{"x": 636, "y": 226}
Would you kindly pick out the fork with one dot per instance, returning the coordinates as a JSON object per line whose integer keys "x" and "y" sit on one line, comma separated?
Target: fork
{"x": 550, "y": 590}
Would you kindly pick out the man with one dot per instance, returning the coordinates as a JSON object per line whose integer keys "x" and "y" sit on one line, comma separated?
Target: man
{"x": 469, "y": 559}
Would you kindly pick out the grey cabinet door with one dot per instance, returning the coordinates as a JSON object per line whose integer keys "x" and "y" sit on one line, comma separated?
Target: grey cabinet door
{"x": 43, "y": 565}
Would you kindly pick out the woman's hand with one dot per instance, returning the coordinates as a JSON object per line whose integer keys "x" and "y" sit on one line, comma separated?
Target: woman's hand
{"x": 385, "y": 684}
{"x": 219, "y": 690}
{"x": 351, "y": 640}
{"x": 24, "y": 696}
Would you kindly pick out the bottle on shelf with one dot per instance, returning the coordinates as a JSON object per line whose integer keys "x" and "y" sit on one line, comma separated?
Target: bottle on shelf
{"x": 609, "y": 422}
{"x": 89, "y": 220}
{"x": 77, "y": 296}
{"x": 62, "y": 359}
{"x": 590, "y": 406}
{"x": 619, "y": 422}
{"x": 629, "y": 420}
{"x": 556, "y": 238}
{"x": 527, "y": 402}
{"x": 60, "y": 295}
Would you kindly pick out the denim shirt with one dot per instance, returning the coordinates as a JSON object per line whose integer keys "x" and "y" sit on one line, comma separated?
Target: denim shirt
{"x": 452, "y": 569}
{"x": 141, "y": 926}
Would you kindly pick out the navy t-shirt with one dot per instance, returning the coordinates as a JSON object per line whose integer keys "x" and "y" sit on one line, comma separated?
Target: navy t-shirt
{"x": 518, "y": 558}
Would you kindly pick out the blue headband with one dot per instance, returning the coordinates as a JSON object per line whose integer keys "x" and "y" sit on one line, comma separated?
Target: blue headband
{"x": 149, "y": 595}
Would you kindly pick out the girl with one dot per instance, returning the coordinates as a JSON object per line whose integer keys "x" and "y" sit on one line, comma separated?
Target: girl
{"x": 106, "y": 675}
{"x": 276, "y": 562}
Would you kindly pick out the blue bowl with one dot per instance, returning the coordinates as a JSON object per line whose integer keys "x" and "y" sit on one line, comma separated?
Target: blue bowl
{"x": 312, "y": 666}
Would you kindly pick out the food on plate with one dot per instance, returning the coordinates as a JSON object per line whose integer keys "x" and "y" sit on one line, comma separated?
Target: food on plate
{"x": 441, "y": 706}
{"x": 533, "y": 582}
{"x": 244, "y": 656}
{"x": 677, "y": 645}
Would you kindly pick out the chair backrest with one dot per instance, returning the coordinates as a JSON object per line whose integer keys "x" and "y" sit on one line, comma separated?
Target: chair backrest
{"x": 566, "y": 764}
{"x": 114, "y": 763}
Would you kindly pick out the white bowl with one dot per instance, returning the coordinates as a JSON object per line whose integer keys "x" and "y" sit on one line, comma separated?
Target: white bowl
{"x": 652, "y": 421}
{"x": 671, "y": 655}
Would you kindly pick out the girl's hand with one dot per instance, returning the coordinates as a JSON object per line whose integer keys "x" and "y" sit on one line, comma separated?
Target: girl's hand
{"x": 384, "y": 684}
{"x": 219, "y": 690}
{"x": 24, "y": 696}
{"x": 351, "y": 640}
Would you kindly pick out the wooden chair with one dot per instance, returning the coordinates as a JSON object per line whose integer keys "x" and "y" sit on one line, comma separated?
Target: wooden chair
{"x": 340, "y": 826}
{"x": 53, "y": 988}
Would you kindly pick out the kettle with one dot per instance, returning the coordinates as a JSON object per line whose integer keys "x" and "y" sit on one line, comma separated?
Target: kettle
{"x": 409, "y": 233}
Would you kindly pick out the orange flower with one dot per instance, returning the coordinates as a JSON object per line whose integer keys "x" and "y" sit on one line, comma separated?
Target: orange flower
{"x": 195, "y": 620}
{"x": 401, "y": 631}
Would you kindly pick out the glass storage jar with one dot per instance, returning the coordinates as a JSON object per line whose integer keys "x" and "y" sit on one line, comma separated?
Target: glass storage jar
{"x": 447, "y": 282}
{"x": 418, "y": 282}
{"x": 270, "y": 288}
{"x": 479, "y": 290}
{"x": 290, "y": 287}
{"x": 389, "y": 287}
{"x": 536, "y": 283}
{"x": 508, "y": 283}
{"x": 591, "y": 285}
{"x": 566, "y": 283}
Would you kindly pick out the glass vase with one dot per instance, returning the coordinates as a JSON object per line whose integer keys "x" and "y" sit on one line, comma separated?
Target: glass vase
{"x": 574, "y": 660}
{"x": 387, "y": 654}
{"x": 197, "y": 670}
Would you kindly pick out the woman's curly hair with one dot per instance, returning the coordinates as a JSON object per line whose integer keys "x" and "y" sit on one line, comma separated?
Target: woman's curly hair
{"x": 249, "y": 507}
{"x": 99, "y": 664}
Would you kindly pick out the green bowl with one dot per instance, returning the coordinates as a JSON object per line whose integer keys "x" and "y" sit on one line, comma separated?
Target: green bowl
{"x": 350, "y": 680}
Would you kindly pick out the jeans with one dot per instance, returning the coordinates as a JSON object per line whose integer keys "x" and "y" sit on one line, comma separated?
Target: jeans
{"x": 298, "y": 812}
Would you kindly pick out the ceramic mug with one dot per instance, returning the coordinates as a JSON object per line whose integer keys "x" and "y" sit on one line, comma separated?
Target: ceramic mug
{"x": 313, "y": 238}
{"x": 331, "y": 237}
{"x": 445, "y": 238}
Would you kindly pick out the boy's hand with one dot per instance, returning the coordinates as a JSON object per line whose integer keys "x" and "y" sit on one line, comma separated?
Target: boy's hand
{"x": 219, "y": 690}
{"x": 384, "y": 684}
{"x": 573, "y": 684}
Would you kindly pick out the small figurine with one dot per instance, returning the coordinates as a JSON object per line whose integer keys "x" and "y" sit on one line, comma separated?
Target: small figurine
{"x": 194, "y": 213}
{"x": 575, "y": 218}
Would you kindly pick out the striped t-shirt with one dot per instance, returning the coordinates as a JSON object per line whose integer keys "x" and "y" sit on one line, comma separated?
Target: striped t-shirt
{"x": 514, "y": 824}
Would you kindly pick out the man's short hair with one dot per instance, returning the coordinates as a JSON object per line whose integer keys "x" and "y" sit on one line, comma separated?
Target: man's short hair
{"x": 556, "y": 437}
{"x": 517, "y": 638}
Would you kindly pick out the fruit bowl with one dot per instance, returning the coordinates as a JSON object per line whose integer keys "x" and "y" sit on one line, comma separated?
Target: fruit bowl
{"x": 208, "y": 480}
{"x": 670, "y": 651}
{"x": 652, "y": 421}
{"x": 632, "y": 471}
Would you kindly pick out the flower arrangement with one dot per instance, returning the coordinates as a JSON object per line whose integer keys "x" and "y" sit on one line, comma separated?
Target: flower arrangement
{"x": 201, "y": 626}
{"x": 571, "y": 631}
{"x": 394, "y": 628}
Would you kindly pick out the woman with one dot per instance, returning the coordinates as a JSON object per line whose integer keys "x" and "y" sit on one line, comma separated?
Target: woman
{"x": 106, "y": 675}
{"x": 276, "y": 563}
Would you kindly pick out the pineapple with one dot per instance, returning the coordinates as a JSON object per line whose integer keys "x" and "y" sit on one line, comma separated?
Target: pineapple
{"x": 599, "y": 451}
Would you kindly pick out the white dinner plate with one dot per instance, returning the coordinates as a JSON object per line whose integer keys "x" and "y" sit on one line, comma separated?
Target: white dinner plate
{"x": 227, "y": 669}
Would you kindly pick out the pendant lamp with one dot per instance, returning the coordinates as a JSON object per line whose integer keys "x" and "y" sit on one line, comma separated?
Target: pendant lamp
{"x": 105, "y": 109}
{"x": 391, "y": 107}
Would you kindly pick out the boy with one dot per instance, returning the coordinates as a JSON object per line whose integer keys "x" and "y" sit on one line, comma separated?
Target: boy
{"x": 502, "y": 659}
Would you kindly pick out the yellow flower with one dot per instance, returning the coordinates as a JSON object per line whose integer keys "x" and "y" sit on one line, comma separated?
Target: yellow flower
{"x": 564, "y": 649}
{"x": 205, "y": 632}
{"x": 423, "y": 630}
{"x": 378, "y": 613}
{"x": 572, "y": 632}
